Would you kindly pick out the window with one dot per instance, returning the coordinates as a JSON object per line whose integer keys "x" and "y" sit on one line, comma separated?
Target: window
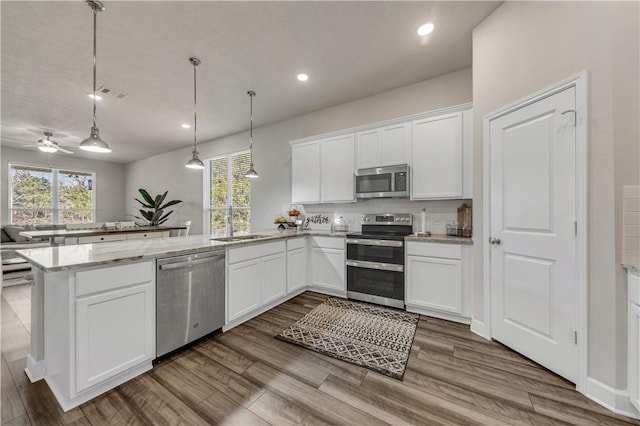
{"x": 46, "y": 195}
{"x": 227, "y": 190}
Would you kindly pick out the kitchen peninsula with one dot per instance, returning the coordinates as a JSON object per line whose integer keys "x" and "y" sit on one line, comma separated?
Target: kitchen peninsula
{"x": 98, "y": 300}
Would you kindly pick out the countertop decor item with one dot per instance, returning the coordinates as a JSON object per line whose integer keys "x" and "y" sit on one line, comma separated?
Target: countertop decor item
{"x": 374, "y": 337}
{"x": 94, "y": 143}
{"x": 195, "y": 162}
{"x": 155, "y": 215}
{"x": 251, "y": 173}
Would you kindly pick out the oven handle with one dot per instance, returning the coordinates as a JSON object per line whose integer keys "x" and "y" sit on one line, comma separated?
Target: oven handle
{"x": 375, "y": 265}
{"x": 382, "y": 243}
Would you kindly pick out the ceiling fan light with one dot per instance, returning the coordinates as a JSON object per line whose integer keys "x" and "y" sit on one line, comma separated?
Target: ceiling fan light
{"x": 251, "y": 173}
{"x": 94, "y": 144}
{"x": 48, "y": 148}
{"x": 195, "y": 162}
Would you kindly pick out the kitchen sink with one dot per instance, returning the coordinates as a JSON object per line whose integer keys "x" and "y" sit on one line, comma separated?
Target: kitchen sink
{"x": 241, "y": 238}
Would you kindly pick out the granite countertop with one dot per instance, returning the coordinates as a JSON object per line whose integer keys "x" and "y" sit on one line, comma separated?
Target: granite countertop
{"x": 62, "y": 258}
{"x": 439, "y": 238}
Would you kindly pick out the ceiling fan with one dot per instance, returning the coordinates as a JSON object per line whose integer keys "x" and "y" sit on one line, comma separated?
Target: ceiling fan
{"x": 47, "y": 145}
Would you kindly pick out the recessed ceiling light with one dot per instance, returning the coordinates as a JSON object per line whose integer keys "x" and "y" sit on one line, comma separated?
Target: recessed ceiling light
{"x": 303, "y": 77}
{"x": 185, "y": 126}
{"x": 425, "y": 29}
{"x": 98, "y": 97}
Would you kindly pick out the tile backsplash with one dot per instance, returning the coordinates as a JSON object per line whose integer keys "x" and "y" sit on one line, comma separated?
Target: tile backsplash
{"x": 438, "y": 213}
{"x": 631, "y": 225}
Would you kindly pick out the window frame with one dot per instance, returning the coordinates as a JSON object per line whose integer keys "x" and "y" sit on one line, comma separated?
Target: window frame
{"x": 55, "y": 201}
{"x": 206, "y": 189}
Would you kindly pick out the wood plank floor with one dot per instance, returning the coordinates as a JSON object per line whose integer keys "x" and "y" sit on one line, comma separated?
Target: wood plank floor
{"x": 246, "y": 377}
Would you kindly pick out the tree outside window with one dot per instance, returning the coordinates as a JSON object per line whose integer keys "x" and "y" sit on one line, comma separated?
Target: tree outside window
{"x": 42, "y": 195}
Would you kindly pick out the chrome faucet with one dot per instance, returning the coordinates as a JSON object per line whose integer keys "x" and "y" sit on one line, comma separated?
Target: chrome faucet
{"x": 230, "y": 221}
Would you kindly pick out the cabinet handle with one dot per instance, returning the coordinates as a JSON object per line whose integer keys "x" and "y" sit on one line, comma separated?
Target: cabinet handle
{"x": 494, "y": 241}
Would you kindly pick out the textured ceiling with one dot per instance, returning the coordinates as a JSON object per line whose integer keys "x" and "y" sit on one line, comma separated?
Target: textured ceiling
{"x": 349, "y": 49}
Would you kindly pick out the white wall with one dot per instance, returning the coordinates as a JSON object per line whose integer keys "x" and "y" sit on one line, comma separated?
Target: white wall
{"x": 272, "y": 153}
{"x": 523, "y": 47}
{"x": 109, "y": 184}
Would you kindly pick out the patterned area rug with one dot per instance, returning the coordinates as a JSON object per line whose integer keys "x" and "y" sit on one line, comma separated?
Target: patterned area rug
{"x": 371, "y": 336}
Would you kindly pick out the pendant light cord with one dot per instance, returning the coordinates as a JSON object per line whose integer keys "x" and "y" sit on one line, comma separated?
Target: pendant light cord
{"x": 95, "y": 20}
{"x": 251, "y": 95}
{"x": 195, "y": 110}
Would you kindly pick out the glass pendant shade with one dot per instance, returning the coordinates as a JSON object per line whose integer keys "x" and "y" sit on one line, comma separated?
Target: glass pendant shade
{"x": 48, "y": 148}
{"x": 195, "y": 162}
{"x": 94, "y": 144}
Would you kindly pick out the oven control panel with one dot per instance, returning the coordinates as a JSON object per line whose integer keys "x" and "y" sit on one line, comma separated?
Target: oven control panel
{"x": 387, "y": 219}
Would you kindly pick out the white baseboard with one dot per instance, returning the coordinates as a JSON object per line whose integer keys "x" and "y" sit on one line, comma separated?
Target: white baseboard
{"x": 615, "y": 400}
{"x": 36, "y": 370}
{"x": 477, "y": 327}
{"x": 437, "y": 314}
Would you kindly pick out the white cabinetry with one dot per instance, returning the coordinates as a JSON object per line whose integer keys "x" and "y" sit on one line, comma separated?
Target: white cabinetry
{"x": 256, "y": 280}
{"x": 384, "y": 146}
{"x": 100, "y": 329}
{"x": 438, "y": 280}
{"x": 305, "y": 172}
{"x": 328, "y": 265}
{"x": 337, "y": 159}
{"x": 437, "y": 157}
{"x": 323, "y": 171}
{"x": 297, "y": 271}
{"x": 633, "y": 339}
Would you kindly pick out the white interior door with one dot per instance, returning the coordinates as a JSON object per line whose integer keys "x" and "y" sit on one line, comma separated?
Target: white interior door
{"x": 533, "y": 213}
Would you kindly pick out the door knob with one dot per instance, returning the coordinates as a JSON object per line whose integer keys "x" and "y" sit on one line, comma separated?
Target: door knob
{"x": 494, "y": 241}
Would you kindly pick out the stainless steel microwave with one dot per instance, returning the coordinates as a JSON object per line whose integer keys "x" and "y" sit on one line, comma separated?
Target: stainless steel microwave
{"x": 383, "y": 182}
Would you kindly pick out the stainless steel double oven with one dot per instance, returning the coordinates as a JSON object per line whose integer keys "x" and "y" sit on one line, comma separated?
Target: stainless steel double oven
{"x": 375, "y": 259}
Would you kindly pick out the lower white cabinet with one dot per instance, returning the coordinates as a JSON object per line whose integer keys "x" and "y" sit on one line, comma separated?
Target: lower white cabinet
{"x": 328, "y": 265}
{"x": 633, "y": 339}
{"x": 438, "y": 280}
{"x": 100, "y": 329}
{"x": 256, "y": 277}
{"x": 297, "y": 270}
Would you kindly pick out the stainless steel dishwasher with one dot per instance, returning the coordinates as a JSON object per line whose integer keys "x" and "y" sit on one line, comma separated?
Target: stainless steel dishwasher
{"x": 189, "y": 298}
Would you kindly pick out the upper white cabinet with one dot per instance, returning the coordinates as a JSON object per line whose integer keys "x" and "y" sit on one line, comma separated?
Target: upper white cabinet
{"x": 323, "y": 171}
{"x": 384, "y": 146}
{"x": 437, "y": 157}
{"x": 337, "y": 159}
{"x": 305, "y": 172}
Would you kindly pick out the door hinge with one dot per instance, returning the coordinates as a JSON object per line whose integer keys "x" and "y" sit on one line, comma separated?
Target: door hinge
{"x": 575, "y": 337}
{"x": 575, "y": 116}
{"x": 575, "y": 227}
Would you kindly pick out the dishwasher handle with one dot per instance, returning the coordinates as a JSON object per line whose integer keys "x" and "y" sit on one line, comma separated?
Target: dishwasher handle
{"x": 189, "y": 263}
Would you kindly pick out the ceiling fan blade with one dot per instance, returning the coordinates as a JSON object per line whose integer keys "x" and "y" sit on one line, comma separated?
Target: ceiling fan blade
{"x": 66, "y": 151}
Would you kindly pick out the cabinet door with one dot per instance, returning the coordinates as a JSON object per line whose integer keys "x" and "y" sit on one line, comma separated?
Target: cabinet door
{"x": 395, "y": 144}
{"x": 434, "y": 283}
{"x": 367, "y": 149}
{"x": 296, "y": 269}
{"x": 634, "y": 354}
{"x": 437, "y": 157}
{"x": 305, "y": 172}
{"x": 273, "y": 272}
{"x": 100, "y": 238}
{"x": 338, "y": 163}
{"x": 115, "y": 331}
{"x": 327, "y": 268}
{"x": 243, "y": 289}
{"x": 141, "y": 235}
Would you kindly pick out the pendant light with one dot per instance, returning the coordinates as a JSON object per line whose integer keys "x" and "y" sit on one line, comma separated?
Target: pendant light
{"x": 251, "y": 173}
{"x": 195, "y": 162}
{"x": 93, "y": 143}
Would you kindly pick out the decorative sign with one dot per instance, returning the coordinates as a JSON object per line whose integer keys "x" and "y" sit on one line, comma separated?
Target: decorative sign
{"x": 318, "y": 221}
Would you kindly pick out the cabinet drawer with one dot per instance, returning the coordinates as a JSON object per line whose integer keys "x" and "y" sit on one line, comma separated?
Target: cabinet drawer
{"x": 296, "y": 243}
{"x": 140, "y": 235}
{"x": 328, "y": 242}
{"x": 100, "y": 239}
{"x": 254, "y": 251}
{"x": 447, "y": 251}
{"x": 96, "y": 280}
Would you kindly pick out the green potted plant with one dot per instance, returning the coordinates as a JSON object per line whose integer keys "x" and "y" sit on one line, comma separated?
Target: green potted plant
{"x": 155, "y": 214}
